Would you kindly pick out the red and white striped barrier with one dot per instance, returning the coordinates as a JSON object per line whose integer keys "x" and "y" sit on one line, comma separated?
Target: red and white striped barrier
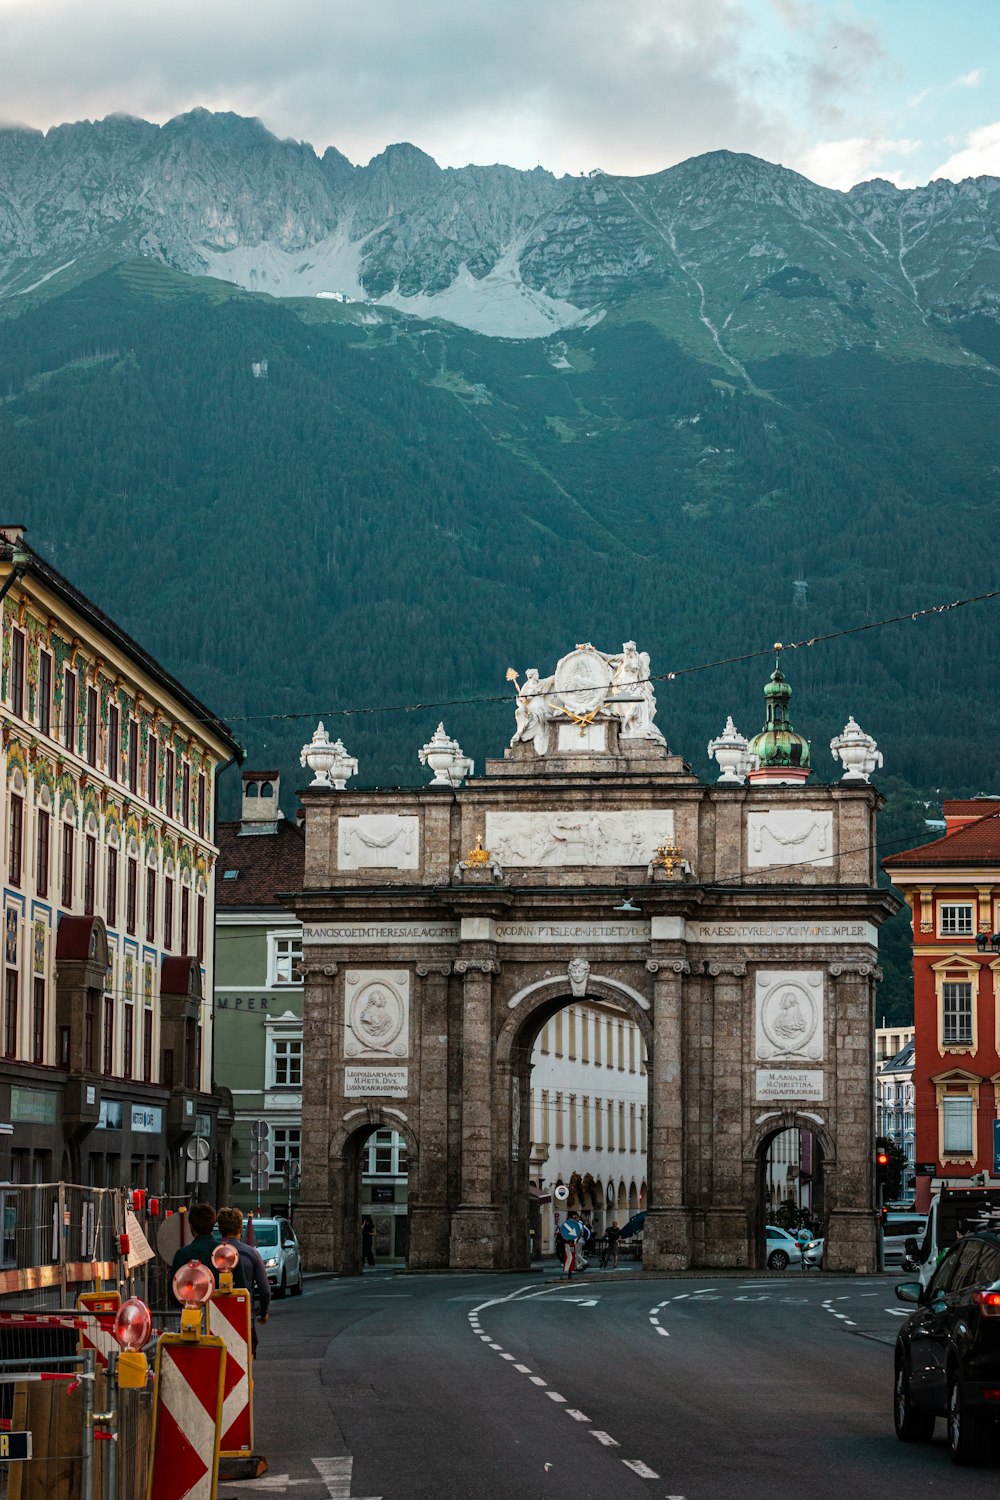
{"x": 229, "y": 1318}
{"x": 187, "y": 1418}
{"x": 98, "y": 1333}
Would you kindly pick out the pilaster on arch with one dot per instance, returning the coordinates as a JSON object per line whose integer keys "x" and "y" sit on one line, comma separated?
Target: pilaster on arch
{"x": 542, "y": 992}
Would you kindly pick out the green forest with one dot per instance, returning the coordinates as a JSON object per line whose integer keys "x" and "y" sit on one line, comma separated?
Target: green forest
{"x": 396, "y": 512}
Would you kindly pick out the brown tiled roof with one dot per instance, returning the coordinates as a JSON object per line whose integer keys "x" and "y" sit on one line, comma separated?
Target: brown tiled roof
{"x": 971, "y": 807}
{"x": 267, "y": 862}
{"x": 975, "y": 843}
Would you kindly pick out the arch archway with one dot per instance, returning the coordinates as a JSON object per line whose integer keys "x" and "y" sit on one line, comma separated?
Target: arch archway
{"x": 789, "y": 1168}
{"x": 347, "y": 1154}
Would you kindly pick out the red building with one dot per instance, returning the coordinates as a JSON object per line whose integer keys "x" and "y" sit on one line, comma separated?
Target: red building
{"x": 952, "y": 886}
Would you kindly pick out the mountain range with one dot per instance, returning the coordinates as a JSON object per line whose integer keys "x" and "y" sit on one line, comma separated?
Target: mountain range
{"x": 707, "y": 410}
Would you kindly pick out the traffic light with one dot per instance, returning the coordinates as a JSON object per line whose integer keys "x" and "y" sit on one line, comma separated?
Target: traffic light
{"x": 881, "y": 1173}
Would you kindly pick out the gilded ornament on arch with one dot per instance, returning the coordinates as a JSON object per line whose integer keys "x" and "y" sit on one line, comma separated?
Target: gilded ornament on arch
{"x": 477, "y": 856}
{"x": 668, "y": 856}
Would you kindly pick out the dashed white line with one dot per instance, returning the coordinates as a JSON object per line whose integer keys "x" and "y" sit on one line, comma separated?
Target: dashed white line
{"x": 638, "y": 1467}
{"x": 537, "y": 1380}
{"x": 555, "y": 1396}
{"x": 496, "y": 1346}
{"x": 523, "y": 1369}
{"x": 604, "y": 1438}
{"x": 507, "y": 1356}
{"x": 664, "y": 1332}
{"x": 571, "y": 1411}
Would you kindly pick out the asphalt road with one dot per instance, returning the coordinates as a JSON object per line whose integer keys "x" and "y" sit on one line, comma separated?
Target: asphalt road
{"x": 448, "y": 1387}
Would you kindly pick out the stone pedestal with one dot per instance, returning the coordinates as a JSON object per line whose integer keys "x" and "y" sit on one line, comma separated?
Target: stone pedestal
{"x": 851, "y": 1241}
{"x": 666, "y": 1239}
{"x": 727, "y": 1237}
{"x": 314, "y": 1228}
{"x": 477, "y": 1239}
{"x": 429, "y": 1236}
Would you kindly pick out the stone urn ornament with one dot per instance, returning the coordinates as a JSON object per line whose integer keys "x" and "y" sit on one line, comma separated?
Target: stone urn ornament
{"x": 444, "y": 757}
{"x": 857, "y": 751}
{"x": 731, "y": 752}
{"x": 328, "y": 760}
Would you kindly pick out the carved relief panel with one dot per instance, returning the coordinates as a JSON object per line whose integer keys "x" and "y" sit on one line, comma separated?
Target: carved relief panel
{"x": 789, "y": 836}
{"x": 377, "y": 1013}
{"x": 790, "y": 1015}
{"x": 577, "y": 837}
{"x": 378, "y": 841}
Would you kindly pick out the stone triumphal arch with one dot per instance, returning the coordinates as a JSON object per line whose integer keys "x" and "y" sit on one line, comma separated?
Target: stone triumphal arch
{"x": 734, "y": 922}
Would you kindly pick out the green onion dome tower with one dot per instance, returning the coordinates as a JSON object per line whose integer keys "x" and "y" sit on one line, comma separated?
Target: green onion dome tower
{"x": 781, "y": 754}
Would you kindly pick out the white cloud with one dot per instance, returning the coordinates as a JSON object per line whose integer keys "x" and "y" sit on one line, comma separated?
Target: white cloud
{"x": 840, "y": 164}
{"x": 968, "y": 80}
{"x": 980, "y": 157}
{"x": 915, "y": 100}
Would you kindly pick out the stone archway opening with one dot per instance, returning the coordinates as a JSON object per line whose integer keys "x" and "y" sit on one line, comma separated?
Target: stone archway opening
{"x": 790, "y": 1186}
{"x": 372, "y": 1163}
{"x": 580, "y": 1113}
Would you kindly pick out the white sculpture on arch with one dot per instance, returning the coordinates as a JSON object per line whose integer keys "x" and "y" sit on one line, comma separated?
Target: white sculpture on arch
{"x": 588, "y": 687}
{"x": 858, "y": 752}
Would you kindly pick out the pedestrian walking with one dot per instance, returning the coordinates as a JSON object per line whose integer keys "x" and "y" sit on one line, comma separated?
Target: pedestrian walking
{"x": 368, "y": 1241}
{"x": 201, "y": 1218}
{"x": 254, "y": 1271}
{"x": 612, "y": 1236}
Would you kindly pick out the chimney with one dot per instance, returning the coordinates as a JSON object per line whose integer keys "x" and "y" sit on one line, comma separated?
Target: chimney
{"x": 261, "y": 811}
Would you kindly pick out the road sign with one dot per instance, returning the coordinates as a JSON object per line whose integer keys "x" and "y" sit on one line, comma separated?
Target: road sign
{"x": 187, "y": 1416}
{"x": 14, "y": 1446}
{"x": 561, "y": 1192}
{"x": 197, "y": 1149}
{"x": 260, "y": 1130}
{"x": 259, "y": 1161}
{"x": 292, "y": 1172}
{"x": 229, "y": 1318}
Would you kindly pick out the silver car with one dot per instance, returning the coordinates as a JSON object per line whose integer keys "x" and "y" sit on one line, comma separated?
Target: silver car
{"x": 782, "y": 1249}
{"x": 279, "y": 1247}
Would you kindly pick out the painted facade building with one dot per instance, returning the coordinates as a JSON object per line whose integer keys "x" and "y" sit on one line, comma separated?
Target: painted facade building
{"x": 588, "y": 1109}
{"x": 952, "y": 886}
{"x": 895, "y": 1109}
{"x": 109, "y": 794}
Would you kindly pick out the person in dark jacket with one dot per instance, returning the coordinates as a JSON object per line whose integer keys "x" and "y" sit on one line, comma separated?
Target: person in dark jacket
{"x": 252, "y": 1264}
{"x": 367, "y": 1240}
{"x": 201, "y": 1219}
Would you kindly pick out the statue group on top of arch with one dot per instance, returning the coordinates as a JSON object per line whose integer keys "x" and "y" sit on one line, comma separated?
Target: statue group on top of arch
{"x": 588, "y": 686}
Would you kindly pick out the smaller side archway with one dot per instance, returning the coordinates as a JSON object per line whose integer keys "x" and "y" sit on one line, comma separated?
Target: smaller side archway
{"x": 347, "y": 1156}
{"x": 789, "y": 1169}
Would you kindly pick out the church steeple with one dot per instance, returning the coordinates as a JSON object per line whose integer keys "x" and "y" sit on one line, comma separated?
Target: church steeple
{"x": 782, "y": 754}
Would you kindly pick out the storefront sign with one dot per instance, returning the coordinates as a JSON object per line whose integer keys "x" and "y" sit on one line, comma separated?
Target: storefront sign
{"x": 146, "y": 1119}
{"x": 390, "y": 1083}
{"x": 32, "y": 1106}
{"x": 776, "y": 1085}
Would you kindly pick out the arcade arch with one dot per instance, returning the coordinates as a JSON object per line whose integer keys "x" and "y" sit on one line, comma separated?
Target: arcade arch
{"x": 792, "y": 1169}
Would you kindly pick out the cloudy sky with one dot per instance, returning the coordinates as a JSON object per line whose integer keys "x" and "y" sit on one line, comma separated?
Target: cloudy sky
{"x": 839, "y": 89}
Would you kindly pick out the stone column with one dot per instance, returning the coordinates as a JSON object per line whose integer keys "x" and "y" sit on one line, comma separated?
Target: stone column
{"x": 428, "y": 1195}
{"x": 476, "y": 1232}
{"x": 666, "y": 1240}
{"x": 726, "y": 1222}
{"x": 314, "y": 1216}
{"x": 851, "y": 1236}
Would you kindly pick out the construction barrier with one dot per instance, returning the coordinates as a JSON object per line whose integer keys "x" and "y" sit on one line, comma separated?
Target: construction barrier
{"x": 229, "y": 1317}
{"x": 187, "y": 1417}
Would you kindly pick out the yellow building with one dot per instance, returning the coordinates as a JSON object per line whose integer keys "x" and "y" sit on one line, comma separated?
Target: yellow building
{"x": 110, "y": 768}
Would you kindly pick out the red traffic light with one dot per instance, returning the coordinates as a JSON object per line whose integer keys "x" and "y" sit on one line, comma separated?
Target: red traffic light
{"x": 881, "y": 1158}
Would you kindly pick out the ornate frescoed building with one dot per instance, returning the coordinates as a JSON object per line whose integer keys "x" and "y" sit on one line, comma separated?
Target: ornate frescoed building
{"x": 734, "y": 924}
{"x": 109, "y": 768}
{"x": 952, "y": 886}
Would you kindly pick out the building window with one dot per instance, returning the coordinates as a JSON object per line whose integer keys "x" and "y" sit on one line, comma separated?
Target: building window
{"x": 89, "y": 1023}
{"x": 10, "y": 1015}
{"x": 200, "y": 929}
{"x": 111, "y": 893}
{"x": 152, "y": 755}
{"x": 16, "y": 839}
{"x": 133, "y": 755}
{"x": 114, "y": 743}
{"x": 131, "y": 894}
{"x": 38, "y": 1022}
{"x": 957, "y": 1018}
{"x": 68, "y": 848}
{"x": 956, "y": 920}
{"x": 45, "y": 692}
{"x": 150, "y": 905}
{"x": 42, "y": 854}
{"x": 286, "y": 1062}
{"x": 128, "y": 1032}
{"x": 386, "y": 1155}
{"x": 69, "y": 710}
{"x": 147, "y": 1045}
{"x": 185, "y": 917}
{"x": 92, "y": 713}
{"x": 287, "y": 1143}
{"x": 17, "y": 672}
{"x": 168, "y": 913}
{"x": 186, "y": 793}
{"x": 89, "y": 874}
{"x": 169, "y": 779}
{"x": 108, "y": 1059}
{"x": 201, "y": 804}
{"x": 957, "y": 1116}
{"x": 286, "y": 954}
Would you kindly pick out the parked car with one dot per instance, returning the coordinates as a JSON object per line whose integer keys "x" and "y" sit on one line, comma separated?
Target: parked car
{"x": 948, "y": 1351}
{"x": 279, "y": 1246}
{"x": 781, "y": 1250}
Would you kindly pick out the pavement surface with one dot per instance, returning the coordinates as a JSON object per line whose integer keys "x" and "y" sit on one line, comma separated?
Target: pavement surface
{"x": 445, "y": 1387}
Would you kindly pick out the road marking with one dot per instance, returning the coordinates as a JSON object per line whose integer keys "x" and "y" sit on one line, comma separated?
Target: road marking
{"x": 523, "y": 1369}
{"x": 638, "y": 1467}
{"x": 653, "y": 1319}
{"x": 336, "y": 1475}
{"x": 506, "y": 1356}
{"x": 702, "y": 1290}
{"x": 486, "y": 1338}
{"x": 896, "y": 1312}
{"x": 664, "y": 1332}
{"x": 604, "y": 1438}
{"x": 680, "y": 1297}
{"x": 494, "y": 1346}
{"x": 537, "y": 1380}
{"x": 577, "y": 1416}
{"x": 555, "y": 1396}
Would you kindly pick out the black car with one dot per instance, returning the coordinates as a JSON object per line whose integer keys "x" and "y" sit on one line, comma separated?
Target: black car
{"x": 948, "y": 1351}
